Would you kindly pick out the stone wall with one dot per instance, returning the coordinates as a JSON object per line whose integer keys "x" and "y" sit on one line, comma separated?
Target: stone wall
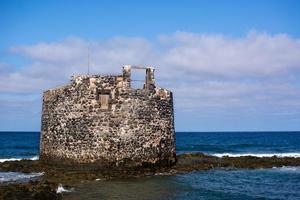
{"x": 101, "y": 120}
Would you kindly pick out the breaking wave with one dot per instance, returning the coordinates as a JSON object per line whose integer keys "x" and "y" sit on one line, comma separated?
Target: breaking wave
{"x": 61, "y": 189}
{"x": 17, "y": 176}
{"x": 294, "y": 155}
{"x": 18, "y": 159}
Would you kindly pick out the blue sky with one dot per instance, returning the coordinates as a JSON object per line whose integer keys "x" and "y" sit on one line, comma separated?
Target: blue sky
{"x": 233, "y": 65}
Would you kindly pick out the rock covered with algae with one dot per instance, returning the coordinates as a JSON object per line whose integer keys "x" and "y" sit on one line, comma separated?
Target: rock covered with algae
{"x": 46, "y": 187}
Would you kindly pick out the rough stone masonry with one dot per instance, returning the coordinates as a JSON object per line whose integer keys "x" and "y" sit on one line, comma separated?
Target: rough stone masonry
{"x": 102, "y": 121}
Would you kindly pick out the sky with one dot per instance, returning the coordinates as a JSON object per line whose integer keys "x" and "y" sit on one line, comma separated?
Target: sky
{"x": 232, "y": 65}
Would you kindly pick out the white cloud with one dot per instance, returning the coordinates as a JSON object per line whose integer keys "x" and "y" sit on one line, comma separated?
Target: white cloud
{"x": 4, "y": 67}
{"x": 205, "y": 71}
{"x": 254, "y": 55}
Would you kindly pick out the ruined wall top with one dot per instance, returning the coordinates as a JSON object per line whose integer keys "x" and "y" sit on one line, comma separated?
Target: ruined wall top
{"x": 149, "y": 81}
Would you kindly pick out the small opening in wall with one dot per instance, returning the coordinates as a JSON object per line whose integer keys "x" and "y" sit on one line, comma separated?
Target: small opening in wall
{"x": 103, "y": 99}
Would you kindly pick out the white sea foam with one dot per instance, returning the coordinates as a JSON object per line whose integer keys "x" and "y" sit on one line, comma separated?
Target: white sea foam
{"x": 287, "y": 169}
{"x": 18, "y": 159}
{"x": 163, "y": 174}
{"x": 61, "y": 189}
{"x": 17, "y": 176}
{"x": 294, "y": 155}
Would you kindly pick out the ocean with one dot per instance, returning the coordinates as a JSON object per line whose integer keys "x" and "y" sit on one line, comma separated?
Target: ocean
{"x": 274, "y": 183}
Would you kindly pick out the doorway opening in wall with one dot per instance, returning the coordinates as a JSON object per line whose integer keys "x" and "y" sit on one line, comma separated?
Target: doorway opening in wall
{"x": 138, "y": 78}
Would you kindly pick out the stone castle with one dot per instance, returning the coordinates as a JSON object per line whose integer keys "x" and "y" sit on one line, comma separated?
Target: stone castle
{"x": 102, "y": 121}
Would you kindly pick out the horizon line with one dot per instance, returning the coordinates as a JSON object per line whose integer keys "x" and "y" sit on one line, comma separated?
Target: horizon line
{"x": 263, "y": 131}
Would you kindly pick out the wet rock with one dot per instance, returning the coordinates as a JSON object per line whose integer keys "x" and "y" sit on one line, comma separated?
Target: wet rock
{"x": 46, "y": 187}
{"x": 198, "y": 161}
{"x": 29, "y": 191}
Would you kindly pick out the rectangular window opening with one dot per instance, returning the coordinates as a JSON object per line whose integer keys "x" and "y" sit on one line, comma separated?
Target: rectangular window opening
{"x": 104, "y": 98}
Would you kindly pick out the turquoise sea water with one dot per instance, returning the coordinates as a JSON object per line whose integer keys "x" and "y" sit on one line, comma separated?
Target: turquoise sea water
{"x": 275, "y": 183}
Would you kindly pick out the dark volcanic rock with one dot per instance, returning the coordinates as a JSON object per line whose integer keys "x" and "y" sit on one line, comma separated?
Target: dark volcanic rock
{"x": 185, "y": 163}
{"x": 32, "y": 190}
{"x": 25, "y": 166}
{"x": 199, "y": 161}
{"x": 54, "y": 175}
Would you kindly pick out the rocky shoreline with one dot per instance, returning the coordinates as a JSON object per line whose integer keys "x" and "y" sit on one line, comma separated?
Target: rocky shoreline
{"x": 46, "y": 186}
